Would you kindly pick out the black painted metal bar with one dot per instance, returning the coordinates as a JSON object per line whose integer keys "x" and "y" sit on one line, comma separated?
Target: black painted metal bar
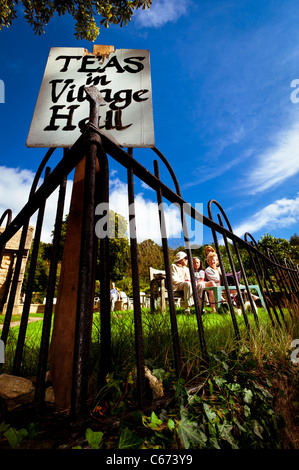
{"x": 259, "y": 273}
{"x": 294, "y": 282}
{"x": 85, "y": 289}
{"x": 280, "y": 280}
{"x": 136, "y": 288}
{"x": 271, "y": 273}
{"x": 79, "y": 391}
{"x": 197, "y": 305}
{"x": 30, "y": 283}
{"x": 14, "y": 284}
{"x": 8, "y": 214}
{"x": 102, "y": 195}
{"x": 270, "y": 289}
{"x": 243, "y": 273}
{"x": 236, "y": 282}
{"x": 172, "y": 311}
{"x": 224, "y": 279}
{"x": 47, "y": 320}
{"x": 8, "y": 281}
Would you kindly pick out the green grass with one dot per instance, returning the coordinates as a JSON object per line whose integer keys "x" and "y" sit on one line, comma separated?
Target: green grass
{"x": 157, "y": 339}
{"x": 233, "y": 408}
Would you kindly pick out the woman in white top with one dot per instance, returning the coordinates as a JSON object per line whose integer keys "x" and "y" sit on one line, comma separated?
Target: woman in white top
{"x": 199, "y": 275}
{"x": 180, "y": 275}
{"x": 213, "y": 273}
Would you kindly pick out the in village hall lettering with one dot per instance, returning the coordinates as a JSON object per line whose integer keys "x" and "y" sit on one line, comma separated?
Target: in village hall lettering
{"x": 62, "y": 109}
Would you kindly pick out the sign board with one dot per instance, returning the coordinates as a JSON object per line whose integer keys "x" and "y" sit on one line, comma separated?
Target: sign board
{"x": 123, "y": 79}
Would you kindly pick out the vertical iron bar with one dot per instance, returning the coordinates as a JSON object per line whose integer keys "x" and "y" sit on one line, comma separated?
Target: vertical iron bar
{"x": 197, "y": 306}
{"x": 85, "y": 289}
{"x": 233, "y": 316}
{"x": 293, "y": 278}
{"x": 105, "y": 314}
{"x": 14, "y": 284}
{"x": 8, "y": 281}
{"x": 235, "y": 276}
{"x": 8, "y": 214}
{"x": 277, "y": 297}
{"x": 47, "y": 321}
{"x": 258, "y": 269}
{"x": 266, "y": 299}
{"x": 174, "y": 327}
{"x": 268, "y": 278}
{"x": 279, "y": 279}
{"x": 30, "y": 283}
{"x": 136, "y": 287}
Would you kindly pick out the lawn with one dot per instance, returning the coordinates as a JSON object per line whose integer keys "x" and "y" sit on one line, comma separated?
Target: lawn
{"x": 233, "y": 406}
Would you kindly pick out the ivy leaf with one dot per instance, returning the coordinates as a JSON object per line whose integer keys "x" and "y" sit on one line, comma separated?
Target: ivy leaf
{"x": 159, "y": 373}
{"x": 93, "y": 438}
{"x": 188, "y": 432}
{"x": 171, "y": 424}
{"x": 33, "y": 430}
{"x": 219, "y": 381}
{"x": 210, "y": 414}
{"x": 153, "y": 422}
{"x": 225, "y": 433}
{"x": 247, "y": 395}
{"x": 15, "y": 437}
{"x": 3, "y": 427}
{"x": 129, "y": 440}
{"x": 257, "y": 428}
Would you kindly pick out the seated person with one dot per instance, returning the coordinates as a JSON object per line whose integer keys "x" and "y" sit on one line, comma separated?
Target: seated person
{"x": 181, "y": 278}
{"x": 114, "y": 296}
{"x": 212, "y": 272}
{"x": 199, "y": 275}
{"x": 209, "y": 249}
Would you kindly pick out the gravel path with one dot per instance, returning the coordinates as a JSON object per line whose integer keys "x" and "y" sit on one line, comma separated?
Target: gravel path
{"x": 17, "y": 323}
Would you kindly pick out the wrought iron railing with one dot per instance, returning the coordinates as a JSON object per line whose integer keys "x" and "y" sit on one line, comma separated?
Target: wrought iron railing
{"x": 96, "y": 147}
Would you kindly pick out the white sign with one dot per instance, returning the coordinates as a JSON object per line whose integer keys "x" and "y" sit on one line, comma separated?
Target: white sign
{"x": 124, "y": 81}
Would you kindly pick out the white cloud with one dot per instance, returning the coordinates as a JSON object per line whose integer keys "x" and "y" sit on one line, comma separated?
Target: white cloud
{"x": 15, "y": 186}
{"x": 162, "y": 12}
{"x": 277, "y": 164}
{"x": 281, "y": 213}
{"x": 147, "y": 219}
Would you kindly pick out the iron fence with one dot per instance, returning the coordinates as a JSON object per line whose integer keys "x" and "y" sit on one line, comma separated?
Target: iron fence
{"x": 276, "y": 281}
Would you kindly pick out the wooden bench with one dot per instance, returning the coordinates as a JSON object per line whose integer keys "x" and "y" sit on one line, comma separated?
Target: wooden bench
{"x": 158, "y": 289}
{"x": 219, "y": 289}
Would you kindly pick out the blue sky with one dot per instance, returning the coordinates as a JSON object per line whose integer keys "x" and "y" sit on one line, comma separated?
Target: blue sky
{"x": 225, "y": 109}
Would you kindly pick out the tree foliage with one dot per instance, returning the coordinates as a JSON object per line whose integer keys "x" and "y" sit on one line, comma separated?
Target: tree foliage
{"x": 38, "y": 13}
{"x": 281, "y": 248}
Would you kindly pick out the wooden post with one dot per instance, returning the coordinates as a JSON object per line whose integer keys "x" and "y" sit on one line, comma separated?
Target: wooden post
{"x": 63, "y": 335}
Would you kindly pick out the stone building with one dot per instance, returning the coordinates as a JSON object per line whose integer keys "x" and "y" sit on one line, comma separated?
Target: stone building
{"x": 8, "y": 265}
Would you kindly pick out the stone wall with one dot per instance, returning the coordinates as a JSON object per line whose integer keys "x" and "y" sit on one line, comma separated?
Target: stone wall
{"x": 8, "y": 263}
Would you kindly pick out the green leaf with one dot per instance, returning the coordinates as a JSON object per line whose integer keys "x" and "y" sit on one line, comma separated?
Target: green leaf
{"x": 129, "y": 440}
{"x": 94, "y": 438}
{"x": 15, "y": 437}
{"x": 247, "y": 395}
{"x": 225, "y": 433}
{"x": 257, "y": 429}
{"x": 159, "y": 373}
{"x": 210, "y": 414}
{"x": 4, "y": 426}
{"x": 234, "y": 387}
{"x": 247, "y": 411}
{"x": 171, "y": 424}
{"x": 188, "y": 431}
{"x": 33, "y": 430}
{"x": 219, "y": 381}
{"x": 153, "y": 422}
